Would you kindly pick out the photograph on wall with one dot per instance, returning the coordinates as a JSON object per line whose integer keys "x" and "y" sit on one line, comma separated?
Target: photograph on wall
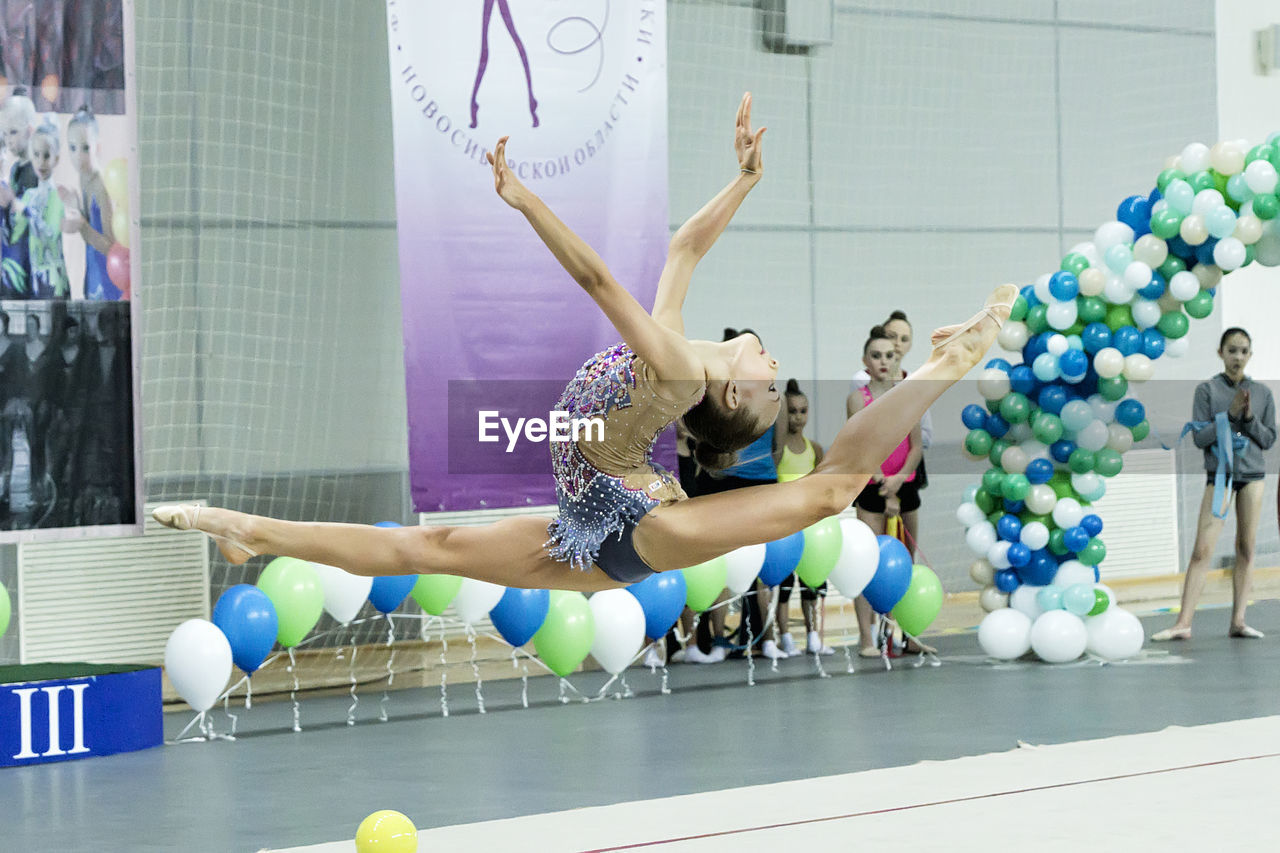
{"x": 68, "y": 389}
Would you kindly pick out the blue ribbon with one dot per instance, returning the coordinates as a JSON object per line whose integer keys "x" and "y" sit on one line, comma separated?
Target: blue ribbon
{"x": 1224, "y": 448}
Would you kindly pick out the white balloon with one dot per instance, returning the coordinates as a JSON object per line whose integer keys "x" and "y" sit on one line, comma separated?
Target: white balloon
{"x": 1060, "y": 315}
{"x": 1086, "y": 483}
{"x": 1058, "y": 344}
{"x": 859, "y": 557}
{"x": 982, "y": 572}
{"x": 1119, "y": 438}
{"x": 197, "y": 659}
{"x": 1041, "y": 499}
{"x": 1111, "y": 234}
{"x": 1014, "y": 335}
{"x": 1151, "y": 250}
{"x": 1260, "y": 176}
{"x": 991, "y": 598}
{"x": 1067, "y": 513}
{"x": 344, "y": 593}
{"x": 1184, "y": 285}
{"x": 1108, "y": 362}
{"x": 980, "y": 538}
{"x": 1267, "y": 249}
{"x": 1023, "y": 599}
{"x": 1103, "y": 409}
{"x": 1094, "y": 436}
{"x": 1089, "y": 251}
{"x": 1207, "y": 200}
{"x": 1248, "y": 230}
{"x": 1092, "y": 281}
{"x": 993, "y": 384}
{"x": 1041, "y": 288}
{"x": 1071, "y": 573}
{"x": 619, "y": 621}
{"x": 1058, "y": 637}
{"x": 1014, "y": 460}
{"x": 1229, "y": 253}
{"x": 1117, "y": 291}
{"x": 1194, "y": 158}
{"x": 1227, "y": 158}
{"x": 1138, "y": 368}
{"x": 1035, "y": 535}
{"x": 1193, "y": 230}
{"x": 475, "y": 599}
{"x": 743, "y": 566}
{"x": 1137, "y": 274}
{"x": 1005, "y": 634}
{"x": 998, "y": 555}
{"x": 1146, "y": 313}
{"x": 1177, "y": 347}
{"x": 1035, "y": 449}
{"x": 1114, "y": 634}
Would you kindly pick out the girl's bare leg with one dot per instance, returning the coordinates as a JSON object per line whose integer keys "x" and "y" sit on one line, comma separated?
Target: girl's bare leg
{"x": 701, "y": 528}
{"x": 1248, "y": 513}
{"x": 861, "y": 607}
{"x": 509, "y": 552}
{"x": 1208, "y": 527}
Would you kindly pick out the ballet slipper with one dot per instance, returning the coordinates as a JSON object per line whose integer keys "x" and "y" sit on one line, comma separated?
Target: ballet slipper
{"x": 869, "y": 652}
{"x": 1244, "y": 632}
{"x": 997, "y": 307}
{"x": 187, "y": 517}
{"x": 1171, "y": 634}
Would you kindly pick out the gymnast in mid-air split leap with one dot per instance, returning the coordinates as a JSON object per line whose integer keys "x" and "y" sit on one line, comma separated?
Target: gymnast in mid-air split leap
{"x": 621, "y": 517}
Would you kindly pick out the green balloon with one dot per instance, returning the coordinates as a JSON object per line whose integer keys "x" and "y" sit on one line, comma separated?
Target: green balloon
{"x": 1250, "y": 252}
{"x": 1093, "y": 553}
{"x": 992, "y": 481}
{"x": 1117, "y": 316}
{"x": 1075, "y": 328}
{"x": 1172, "y": 266}
{"x": 1200, "y": 305}
{"x": 1101, "y": 601}
{"x": 998, "y": 447}
{"x": 1275, "y": 155}
{"x": 567, "y": 633}
{"x": 916, "y": 610}
{"x": 1201, "y": 181}
{"x": 985, "y": 500}
{"x": 294, "y": 589}
{"x": 1047, "y": 428}
{"x": 1081, "y": 460}
{"x": 1015, "y": 408}
{"x": 1220, "y": 184}
{"x": 434, "y": 592}
{"x": 1265, "y": 206}
{"x": 704, "y": 581}
{"x": 6, "y": 609}
{"x": 1019, "y": 310}
{"x": 978, "y": 442}
{"x": 1262, "y": 151}
{"x": 1168, "y": 175}
{"x": 1166, "y": 223}
{"x": 1056, "y": 545}
{"x": 1141, "y": 431}
{"x": 822, "y": 543}
{"x": 1016, "y": 487}
{"x": 1108, "y": 462}
{"x": 1037, "y": 318}
{"x": 1173, "y": 324}
{"x": 1091, "y": 309}
{"x": 1060, "y": 482}
{"x": 1075, "y": 263}
{"x": 1113, "y": 388}
{"x": 1028, "y": 517}
{"x": 993, "y": 406}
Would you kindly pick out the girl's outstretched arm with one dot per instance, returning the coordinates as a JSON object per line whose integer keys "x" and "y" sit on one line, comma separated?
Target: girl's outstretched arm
{"x": 666, "y": 351}
{"x": 695, "y": 238}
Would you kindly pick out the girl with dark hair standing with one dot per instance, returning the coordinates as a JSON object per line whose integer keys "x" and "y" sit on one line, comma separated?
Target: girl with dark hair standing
{"x": 1250, "y": 416}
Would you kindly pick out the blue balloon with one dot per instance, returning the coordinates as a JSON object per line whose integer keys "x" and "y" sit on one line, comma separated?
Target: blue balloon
{"x": 1009, "y": 528}
{"x": 1064, "y": 286}
{"x": 1095, "y": 336}
{"x": 1154, "y": 289}
{"x": 1052, "y": 398}
{"x": 1029, "y": 293}
{"x": 1014, "y": 507}
{"x": 661, "y": 597}
{"x": 996, "y": 425}
{"x": 1022, "y": 380}
{"x": 1039, "y": 471}
{"x": 1062, "y": 450}
{"x": 1127, "y": 339}
{"x": 1130, "y": 413}
{"x": 892, "y": 577}
{"x": 780, "y": 558}
{"x": 1152, "y": 343}
{"x": 1154, "y": 196}
{"x": 1135, "y": 211}
{"x": 388, "y": 592}
{"x": 1019, "y": 555}
{"x": 1204, "y": 252}
{"x": 1075, "y": 538}
{"x": 520, "y": 613}
{"x": 1040, "y": 569}
{"x": 973, "y": 416}
{"x": 248, "y": 618}
{"x": 1007, "y": 580}
{"x": 1179, "y": 247}
{"x": 1073, "y": 362}
{"x": 1092, "y": 524}
{"x": 1000, "y": 364}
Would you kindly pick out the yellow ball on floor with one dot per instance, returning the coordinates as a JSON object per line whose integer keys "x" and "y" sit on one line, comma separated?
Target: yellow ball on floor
{"x": 387, "y": 831}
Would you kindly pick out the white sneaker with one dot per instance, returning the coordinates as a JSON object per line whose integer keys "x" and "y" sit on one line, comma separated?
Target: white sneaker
{"x": 788, "y": 645}
{"x": 817, "y": 647}
{"x": 770, "y": 650}
{"x": 693, "y": 654}
{"x": 652, "y": 659}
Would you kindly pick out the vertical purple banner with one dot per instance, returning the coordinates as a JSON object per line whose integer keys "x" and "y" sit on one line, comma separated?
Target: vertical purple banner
{"x": 581, "y": 89}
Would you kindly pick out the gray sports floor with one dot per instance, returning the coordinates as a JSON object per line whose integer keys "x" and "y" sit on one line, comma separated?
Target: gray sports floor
{"x": 277, "y": 788}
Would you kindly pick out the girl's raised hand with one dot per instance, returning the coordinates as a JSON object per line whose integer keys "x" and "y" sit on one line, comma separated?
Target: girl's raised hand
{"x": 505, "y": 182}
{"x": 746, "y": 142}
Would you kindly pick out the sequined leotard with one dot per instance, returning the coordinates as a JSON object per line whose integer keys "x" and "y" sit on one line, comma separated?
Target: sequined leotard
{"x": 603, "y": 488}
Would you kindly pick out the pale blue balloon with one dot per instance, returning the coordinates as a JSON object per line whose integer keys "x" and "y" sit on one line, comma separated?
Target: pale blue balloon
{"x": 1078, "y": 598}
{"x": 1119, "y": 256}
{"x": 1075, "y": 342}
{"x": 1220, "y": 221}
{"x": 1097, "y": 493}
{"x": 1050, "y": 598}
{"x": 1045, "y": 367}
{"x": 1237, "y": 189}
{"x": 970, "y": 494}
{"x": 1076, "y": 415}
{"x": 1180, "y": 196}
